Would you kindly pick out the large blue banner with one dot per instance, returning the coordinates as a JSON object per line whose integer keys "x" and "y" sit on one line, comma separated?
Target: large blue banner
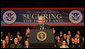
{"x": 51, "y": 16}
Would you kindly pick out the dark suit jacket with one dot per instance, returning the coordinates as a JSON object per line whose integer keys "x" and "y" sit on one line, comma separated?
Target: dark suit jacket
{"x": 45, "y": 27}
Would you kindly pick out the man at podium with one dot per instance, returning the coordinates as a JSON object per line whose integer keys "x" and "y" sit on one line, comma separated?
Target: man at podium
{"x": 41, "y": 24}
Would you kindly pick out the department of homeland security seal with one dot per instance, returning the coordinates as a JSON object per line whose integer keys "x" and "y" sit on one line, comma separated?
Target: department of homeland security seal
{"x": 41, "y": 36}
{"x": 75, "y": 16}
{"x": 9, "y": 17}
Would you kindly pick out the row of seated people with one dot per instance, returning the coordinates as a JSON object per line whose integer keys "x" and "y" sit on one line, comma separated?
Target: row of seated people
{"x": 63, "y": 40}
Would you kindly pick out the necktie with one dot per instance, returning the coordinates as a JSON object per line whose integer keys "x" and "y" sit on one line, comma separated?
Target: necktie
{"x": 41, "y": 27}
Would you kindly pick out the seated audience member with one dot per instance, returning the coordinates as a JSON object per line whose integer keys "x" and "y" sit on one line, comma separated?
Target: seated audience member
{"x": 65, "y": 37}
{"x": 9, "y": 35}
{"x": 72, "y": 43}
{"x": 61, "y": 35}
{"x": 64, "y": 45}
{"x": 16, "y": 44}
{"x": 69, "y": 33}
{"x": 11, "y": 39}
{"x": 68, "y": 40}
{"x": 18, "y": 34}
{"x": 59, "y": 43}
{"x": 4, "y": 45}
{"x": 76, "y": 45}
{"x": 26, "y": 44}
{"x": 7, "y": 41}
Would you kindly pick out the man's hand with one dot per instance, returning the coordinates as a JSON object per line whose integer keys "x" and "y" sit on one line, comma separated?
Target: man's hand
{"x": 28, "y": 30}
{"x": 53, "y": 31}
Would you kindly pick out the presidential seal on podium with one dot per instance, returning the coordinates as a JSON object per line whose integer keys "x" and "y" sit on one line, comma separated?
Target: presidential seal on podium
{"x": 41, "y": 36}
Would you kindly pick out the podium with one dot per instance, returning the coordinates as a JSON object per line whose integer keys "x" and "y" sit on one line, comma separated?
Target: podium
{"x": 41, "y": 38}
